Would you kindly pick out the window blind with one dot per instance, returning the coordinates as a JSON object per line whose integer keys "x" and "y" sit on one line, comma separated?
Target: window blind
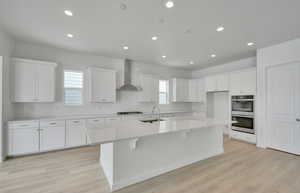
{"x": 73, "y": 85}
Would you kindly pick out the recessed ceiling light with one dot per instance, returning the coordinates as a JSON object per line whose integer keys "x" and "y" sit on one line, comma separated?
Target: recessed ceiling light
{"x": 68, "y": 13}
{"x": 154, "y": 38}
{"x": 123, "y": 6}
{"x": 250, "y": 44}
{"x": 163, "y": 56}
{"x": 170, "y": 4}
{"x": 70, "y": 35}
{"x": 192, "y": 62}
{"x": 219, "y": 29}
{"x": 213, "y": 55}
{"x": 125, "y": 47}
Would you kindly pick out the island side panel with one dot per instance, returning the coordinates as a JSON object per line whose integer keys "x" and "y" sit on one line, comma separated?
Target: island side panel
{"x": 107, "y": 161}
{"x": 155, "y": 155}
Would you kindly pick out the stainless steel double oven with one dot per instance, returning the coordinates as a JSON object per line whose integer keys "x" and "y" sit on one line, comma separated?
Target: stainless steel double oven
{"x": 242, "y": 112}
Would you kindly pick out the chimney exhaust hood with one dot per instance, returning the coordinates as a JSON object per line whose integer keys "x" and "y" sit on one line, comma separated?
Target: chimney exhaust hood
{"x": 127, "y": 84}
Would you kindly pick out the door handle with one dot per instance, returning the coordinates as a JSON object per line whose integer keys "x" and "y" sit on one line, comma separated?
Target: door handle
{"x": 298, "y": 120}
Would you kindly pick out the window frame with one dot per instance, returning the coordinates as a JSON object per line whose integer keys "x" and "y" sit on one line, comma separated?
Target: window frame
{"x": 81, "y": 89}
{"x": 167, "y": 92}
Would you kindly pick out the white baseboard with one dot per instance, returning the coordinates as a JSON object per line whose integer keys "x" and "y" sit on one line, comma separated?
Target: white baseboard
{"x": 146, "y": 176}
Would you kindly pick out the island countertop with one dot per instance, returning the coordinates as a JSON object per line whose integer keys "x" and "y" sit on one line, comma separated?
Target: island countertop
{"x": 130, "y": 129}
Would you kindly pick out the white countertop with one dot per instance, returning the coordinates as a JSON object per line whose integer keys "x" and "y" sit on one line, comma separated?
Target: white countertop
{"x": 130, "y": 129}
{"x": 90, "y": 116}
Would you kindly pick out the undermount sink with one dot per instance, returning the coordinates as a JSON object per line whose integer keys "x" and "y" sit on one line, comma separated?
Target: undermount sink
{"x": 151, "y": 120}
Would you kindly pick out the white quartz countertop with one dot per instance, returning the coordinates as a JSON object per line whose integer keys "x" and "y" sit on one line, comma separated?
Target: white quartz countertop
{"x": 91, "y": 116}
{"x": 130, "y": 129}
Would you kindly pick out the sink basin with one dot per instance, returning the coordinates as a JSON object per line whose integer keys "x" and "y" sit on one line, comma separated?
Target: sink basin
{"x": 151, "y": 120}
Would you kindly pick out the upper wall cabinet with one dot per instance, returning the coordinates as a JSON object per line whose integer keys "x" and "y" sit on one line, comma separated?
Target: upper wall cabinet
{"x": 180, "y": 89}
{"x": 149, "y": 85}
{"x": 188, "y": 90}
{"x": 196, "y": 90}
{"x": 243, "y": 82}
{"x": 34, "y": 81}
{"x": 217, "y": 83}
{"x": 102, "y": 85}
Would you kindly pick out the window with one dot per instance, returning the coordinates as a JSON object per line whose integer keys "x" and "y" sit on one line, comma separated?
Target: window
{"x": 163, "y": 92}
{"x": 73, "y": 87}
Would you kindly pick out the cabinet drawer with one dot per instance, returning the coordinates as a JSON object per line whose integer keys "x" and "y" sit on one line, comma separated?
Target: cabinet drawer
{"x": 95, "y": 121}
{"x": 75, "y": 123}
{"x": 53, "y": 123}
{"x": 23, "y": 124}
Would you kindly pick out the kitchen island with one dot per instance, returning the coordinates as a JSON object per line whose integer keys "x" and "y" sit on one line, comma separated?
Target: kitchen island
{"x": 135, "y": 150}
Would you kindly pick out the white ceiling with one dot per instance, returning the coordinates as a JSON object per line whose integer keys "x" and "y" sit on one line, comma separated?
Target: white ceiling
{"x": 100, "y": 26}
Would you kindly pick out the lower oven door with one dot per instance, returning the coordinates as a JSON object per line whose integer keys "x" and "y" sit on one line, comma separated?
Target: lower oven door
{"x": 243, "y": 124}
{"x": 244, "y": 130}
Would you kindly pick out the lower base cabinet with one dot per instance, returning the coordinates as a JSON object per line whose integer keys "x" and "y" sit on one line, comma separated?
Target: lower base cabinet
{"x": 52, "y": 138}
{"x": 23, "y": 140}
{"x": 75, "y": 133}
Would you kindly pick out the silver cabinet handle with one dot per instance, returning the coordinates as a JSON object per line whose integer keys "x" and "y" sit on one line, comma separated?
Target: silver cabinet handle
{"x": 23, "y": 125}
{"x": 75, "y": 121}
{"x": 298, "y": 120}
{"x": 52, "y": 123}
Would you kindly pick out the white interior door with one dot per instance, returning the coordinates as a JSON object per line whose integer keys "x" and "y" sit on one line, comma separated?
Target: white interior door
{"x": 283, "y": 107}
{"x": 1, "y": 98}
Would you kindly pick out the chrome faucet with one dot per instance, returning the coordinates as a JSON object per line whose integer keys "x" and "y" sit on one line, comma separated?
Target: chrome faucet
{"x": 158, "y": 109}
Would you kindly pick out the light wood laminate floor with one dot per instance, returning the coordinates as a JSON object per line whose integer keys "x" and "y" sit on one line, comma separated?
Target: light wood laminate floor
{"x": 242, "y": 169}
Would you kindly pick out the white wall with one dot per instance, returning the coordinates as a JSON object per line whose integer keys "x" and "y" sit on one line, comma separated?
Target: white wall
{"x": 279, "y": 54}
{"x": 227, "y": 67}
{"x": 6, "y": 47}
{"x": 79, "y": 61}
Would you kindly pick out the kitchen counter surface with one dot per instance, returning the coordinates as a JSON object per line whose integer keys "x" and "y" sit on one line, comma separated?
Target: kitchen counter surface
{"x": 91, "y": 116}
{"x": 130, "y": 129}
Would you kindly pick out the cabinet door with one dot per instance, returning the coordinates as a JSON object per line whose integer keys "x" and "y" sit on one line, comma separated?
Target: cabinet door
{"x": 45, "y": 83}
{"x": 236, "y": 83}
{"x": 102, "y": 85}
{"x": 283, "y": 104}
{"x": 222, "y": 82}
{"x": 149, "y": 86}
{"x": 180, "y": 90}
{"x": 196, "y": 90}
{"x": 52, "y": 138}
{"x": 249, "y": 81}
{"x": 23, "y": 140}
{"x": 211, "y": 83}
{"x": 75, "y": 133}
{"x": 193, "y": 91}
{"x": 24, "y": 81}
{"x": 243, "y": 82}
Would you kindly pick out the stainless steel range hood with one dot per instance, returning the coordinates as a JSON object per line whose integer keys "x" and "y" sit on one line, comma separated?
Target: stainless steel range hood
{"x": 127, "y": 84}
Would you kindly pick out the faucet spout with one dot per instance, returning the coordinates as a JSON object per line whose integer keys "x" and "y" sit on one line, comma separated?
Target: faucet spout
{"x": 156, "y": 107}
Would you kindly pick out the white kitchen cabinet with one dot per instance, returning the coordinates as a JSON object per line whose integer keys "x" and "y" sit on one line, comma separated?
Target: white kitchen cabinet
{"x": 102, "y": 85}
{"x": 217, "y": 83}
{"x": 243, "y": 82}
{"x": 95, "y": 121}
{"x": 34, "y": 81}
{"x": 188, "y": 90}
{"x": 23, "y": 138}
{"x": 52, "y": 135}
{"x": 196, "y": 90}
{"x": 149, "y": 85}
{"x": 180, "y": 89}
{"x": 75, "y": 133}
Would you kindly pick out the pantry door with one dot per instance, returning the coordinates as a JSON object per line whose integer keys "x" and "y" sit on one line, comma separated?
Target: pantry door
{"x": 283, "y": 107}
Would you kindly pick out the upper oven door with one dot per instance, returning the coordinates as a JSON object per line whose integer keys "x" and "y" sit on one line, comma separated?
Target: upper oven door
{"x": 242, "y": 104}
